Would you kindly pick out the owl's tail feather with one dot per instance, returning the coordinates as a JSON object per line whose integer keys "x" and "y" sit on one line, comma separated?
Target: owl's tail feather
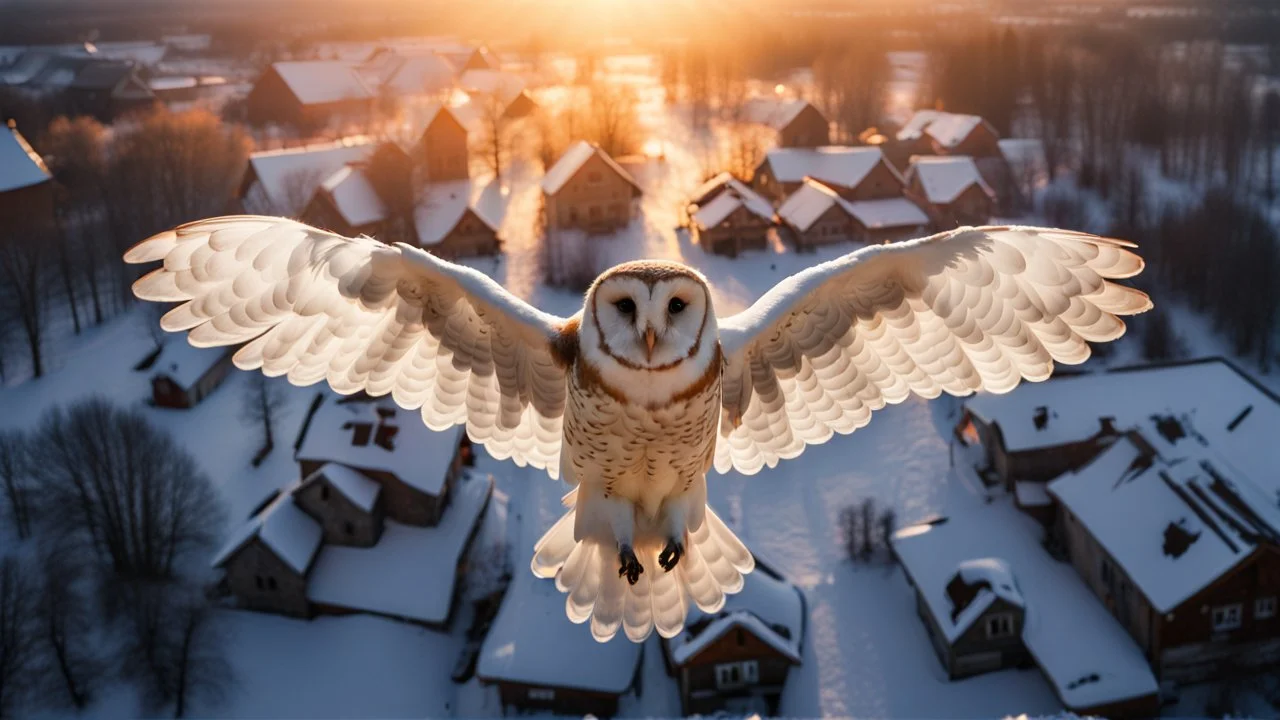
{"x": 713, "y": 566}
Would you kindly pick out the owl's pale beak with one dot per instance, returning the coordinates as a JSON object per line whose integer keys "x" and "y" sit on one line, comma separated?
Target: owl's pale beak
{"x": 649, "y": 339}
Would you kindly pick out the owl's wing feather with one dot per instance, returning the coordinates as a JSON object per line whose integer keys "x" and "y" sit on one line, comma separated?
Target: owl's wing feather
{"x": 966, "y": 310}
{"x": 363, "y": 316}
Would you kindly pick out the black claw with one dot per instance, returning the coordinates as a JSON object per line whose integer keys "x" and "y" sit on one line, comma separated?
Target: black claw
{"x": 671, "y": 554}
{"x": 630, "y": 565}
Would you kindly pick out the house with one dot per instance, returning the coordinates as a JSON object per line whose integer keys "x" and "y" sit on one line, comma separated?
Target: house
{"x": 712, "y": 186}
{"x": 524, "y": 656}
{"x": 508, "y": 90}
{"x": 797, "y": 123}
{"x": 346, "y": 504}
{"x": 1181, "y": 546}
{"x": 183, "y": 375}
{"x": 89, "y": 83}
{"x": 934, "y": 132}
{"x": 415, "y": 466}
{"x": 441, "y": 149}
{"x": 855, "y": 173}
{"x": 952, "y": 190}
{"x": 283, "y": 182}
{"x": 266, "y": 562}
{"x": 26, "y": 187}
{"x": 734, "y": 220}
{"x": 182, "y": 91}
{"x": 310, "y": 95}
{"x": 990, "y": 597}
{"x": 407, "y": 74}
{"x": 737, "y": 659}
{"x": 362, "y": 197}
{"x": 586, "y": 189}
{"x": 460, "y": 219}
{"x": 816, "y": 214}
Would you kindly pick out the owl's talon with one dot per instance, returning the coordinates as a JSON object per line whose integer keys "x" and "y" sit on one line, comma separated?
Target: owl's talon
{"x": 671, "y": 555}
{"x": 630, "y": 565}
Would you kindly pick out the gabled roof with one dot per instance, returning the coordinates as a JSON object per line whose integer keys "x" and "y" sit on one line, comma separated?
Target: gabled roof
{"x": 834, "y": 165}
{"x": 433, "y": 110}
{"x": 777, "y": 114}
{"x": 184, "y": 363}
{"x": 915, "y": 127}
{"x": 572, "y": 161}
{"x": 420, "y": 73}
{"x": 503, "y": 85}
{"x": 727, "y": 202}
{"x": 443, "y": 205}
{"x": 713, "y": 185}
{"x": 354, "y": 196}
{"x": 291, "y": 534}
{"x": 20, "y": 165}
{"x": 360, "y": 490}
{"x": 769, "y": 607}
{"x": 944, "y": 178}
{"x": 887, "y": 213}
{"x": 278, "y": 171}
{"x": 323, "y": 81}
{"x": 808, "y": 203}
{"x": 950, "y": 129}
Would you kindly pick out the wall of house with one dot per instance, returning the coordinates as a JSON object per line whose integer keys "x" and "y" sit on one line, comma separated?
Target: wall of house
{"x": 27, "y": 210}
{"x": 881, "y": 183}
{"x": 271, "y": 101}
{"x": 697, "y": 678}
{"x": 766, "y": 183}
{"x": 563, "y": 701}
{"x": 973, "y": 207}
{"x": 974, "y": 652}
{"x": 595, "y": 199}
{"x": 834, "y": 226}
{"x": 808, "y": 129}
{"x": 442, "y": 150}
{"x": 167, "y": 393}
{"x": 401, "y": 502}
{"x": 211, "y": 379}
{"x": 344, "y": 523}
{"x": 470, "y": 238}
{"x": 249, "y": 573}
{"x": 742, "y": 230}
{"x": 981, "y": 142}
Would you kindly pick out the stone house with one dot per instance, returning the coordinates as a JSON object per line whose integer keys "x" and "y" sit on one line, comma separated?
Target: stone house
{"x": 267, "y": 561}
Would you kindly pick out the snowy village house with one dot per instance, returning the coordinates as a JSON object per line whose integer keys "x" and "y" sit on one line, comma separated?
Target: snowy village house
{"x": 934, "y": 132}
{"x": 183, "y": 375}
{"x": 587, "y": 190}
{"x": 817, "y": 215}
{"x": 84, "y": 79}
{"x": 855, "y": 173}
{"x": 309, "y": 95}
{"x": 460, "y": 219}
{"x": 26, "y": 187}
{"x": 727, "y": 217}
{"x": 363, "y": 196}
{"x": 283, "y": 182}
{"x": 952, "y": 190}
{"x": 737, "y": 660}
{"x": 441, "y": 150}
{"x": 795, "y": 123}
{"x": 489, "y": 90}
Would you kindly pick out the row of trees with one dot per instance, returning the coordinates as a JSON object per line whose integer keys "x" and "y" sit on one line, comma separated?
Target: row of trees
{"x": 113, "y": 513}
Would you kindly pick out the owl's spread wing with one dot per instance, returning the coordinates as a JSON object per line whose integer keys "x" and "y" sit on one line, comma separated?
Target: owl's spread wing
{"x": 961, "y": 311}
{"x": 361, "y": 315}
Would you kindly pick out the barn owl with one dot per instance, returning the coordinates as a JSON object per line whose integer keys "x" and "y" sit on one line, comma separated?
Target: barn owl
{"x": 636, "y": 397}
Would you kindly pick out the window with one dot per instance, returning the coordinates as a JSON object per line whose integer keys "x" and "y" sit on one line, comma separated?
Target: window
{"x": 594, "y": 178}
{"x": 999, "y": 626}
{"x": 543, "y": 694}
{"x": 1226, "y": 617}
{"x": 271, "y": 583}
{"x": 1264, "y": 607}
{"x": 324, "y": 493}
{"x": 737, "y": 674}
{"x": 349, "y": 528}
{"x": 257, "y": 580}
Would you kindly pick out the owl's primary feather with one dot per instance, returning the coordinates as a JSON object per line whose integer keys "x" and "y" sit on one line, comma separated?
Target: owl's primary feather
{"x": 646, "y": 386}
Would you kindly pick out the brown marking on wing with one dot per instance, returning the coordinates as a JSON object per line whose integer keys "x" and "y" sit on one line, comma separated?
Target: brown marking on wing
{"x": 564, "y": 349}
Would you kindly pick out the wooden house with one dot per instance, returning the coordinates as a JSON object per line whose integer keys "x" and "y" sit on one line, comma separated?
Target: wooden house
{"x": 732, "y": 221}
{"x": 795, "y": 123}
{"x": 738, "y": 659}
{"x": 855, "y": 173}
{"x": 310, "y": 95}
{"x": 26, "y": 187}
{"x": 952, "y": 190}
{"x": 267, "y": 561}
{"x": 934, "y": 132}
{"x": 283, "y": 182}
{"x": 183, "y": 375}
{"x": 460, "y": 219}
{"x": 816, "y": 215}
{"x": 359, "y": 198}
{"x": 441, "y": 150}
{"x": 587, "y": 190}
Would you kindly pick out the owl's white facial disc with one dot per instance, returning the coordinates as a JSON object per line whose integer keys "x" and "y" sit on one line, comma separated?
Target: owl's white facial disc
{"x": 650, "y": 325}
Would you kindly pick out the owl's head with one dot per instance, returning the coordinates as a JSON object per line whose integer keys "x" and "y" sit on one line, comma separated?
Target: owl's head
{"x": 649, "y": 315}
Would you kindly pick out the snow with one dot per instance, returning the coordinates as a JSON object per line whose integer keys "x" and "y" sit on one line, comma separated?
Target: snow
{"x": 945, "y": 177}
{"x": 572, "y": 160}
{"x": 442, "y": 206}
{"x": 812, "y": 199}
{"x": 315, "y": 82}
{"x": 766, "y": 599}
{"x": 178, "y": 82}
{"x": 355, "y": 197}
{"x": 931, "y": 572}
{"x": 20, "y": 166}
{"x": 290, "y": 176}
{"x": 331, "y": 435}
{"x": 724, "y": 204}
{"x": 1031, "y": 494}
{"x": 887, "y": 213}
{"x": 357, "y": 488}
{"x": 185, "y": 364}
{"x": 951, "y": 129}
{"x": 500, "y": 84}
{"x": 282, "y": 526}
{"x": 421, "y": 74}
{"x": 411, "y": 572}
{"x": 775, "y": 113}
{"x": 834, "y": 165}
{"x": 915, "y": 127}
{"x": 808, "y": 203}
{"x": 713, "y": 185}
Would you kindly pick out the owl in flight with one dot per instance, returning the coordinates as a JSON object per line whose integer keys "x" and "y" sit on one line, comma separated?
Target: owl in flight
{"x": 634, "y": 398}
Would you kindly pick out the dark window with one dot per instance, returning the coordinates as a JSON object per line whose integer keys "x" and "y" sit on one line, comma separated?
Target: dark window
{"x": 742, "y": 637}
{"x": 257, "y": 579}
{"x": 349, "y": 528}
{"x": 271, "y": 583}
{"x": 324, "y": 493}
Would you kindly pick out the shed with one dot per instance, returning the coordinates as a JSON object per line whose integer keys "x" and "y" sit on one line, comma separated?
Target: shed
{"x": 183, "y": 375}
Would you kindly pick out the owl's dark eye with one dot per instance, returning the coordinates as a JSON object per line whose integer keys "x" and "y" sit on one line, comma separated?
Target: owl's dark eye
{"x": 626, "y": 306}
{"x": 675, "y": 306}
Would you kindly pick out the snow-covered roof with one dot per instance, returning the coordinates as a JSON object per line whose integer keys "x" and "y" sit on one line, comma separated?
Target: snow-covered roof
{"x": 808, "y": 203}
{"x": 916, "y": 125}
{"x": 1085, "y": 653}
{"x": 712, "y": 186}
{"x": 420, "y": 73}
{"x": 531, "y": 639}
{"x": 293, "y": 174}
{"x": 945, "y": 177}
{"x": 775, "y": 113}
{"x": 887, "y": 213}
{"x": 411, "y": 571}
{"x": 185, "y": 364}
{"x": 20, "y": 166}
{"x": 417, "y": 456}
{"x": 442, "y": 205}
{"x": 357, "y": 488}
{"x": 503, "y": 85}
{"x": 833, "y": 165}
{"x": 572, "y": 161}
{"x": 950, "y": 129}
{"x": 173, "y": 82}
{"x": 1213, "y": 392}
{"x": 989, "y": 576}
{"x": 768, "y": 606}
{"x": 286, "y": 530}
{"x": 323, "y": 81}
{"x": 1174, "y": 522}
{"x": 354, "y": 196}
{"x": 724, "y": 205}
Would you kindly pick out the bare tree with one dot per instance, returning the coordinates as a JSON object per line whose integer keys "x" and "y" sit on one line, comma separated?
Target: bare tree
{"x": 24, "y": 268}
{"x": 201, "y": 672}
{"x": 298, "y": 187}
{"x": 868, "y": 525}
{"x": 76, "y": 153}
{"x": 71, "y": 666}
{"x": 494, "y": 138}
{"x": 888, "y": 523}
{"x": 14, "y": 475}
{"x": 18, "y": 657}
{"x": 173, "y": 646}
{"x": 125, "y": 492}
{"x": 851, "y": 530}
{"x": 264, "y": 401}
{"x": 612, "y": 118}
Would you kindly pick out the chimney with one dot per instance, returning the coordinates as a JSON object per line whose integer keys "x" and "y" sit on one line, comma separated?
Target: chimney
{"x": 1041, "y": 418}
